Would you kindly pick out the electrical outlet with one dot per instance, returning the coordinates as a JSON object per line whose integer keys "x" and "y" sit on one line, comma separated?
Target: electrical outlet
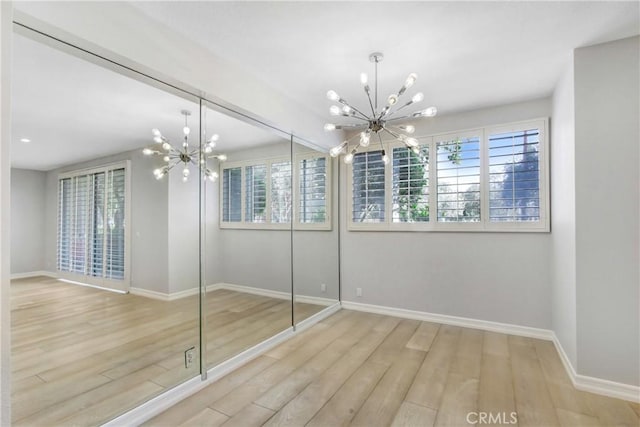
{"x": 189, "y": 357}
{"x": 358, "y": 292}
{"x": 323, "y": 287}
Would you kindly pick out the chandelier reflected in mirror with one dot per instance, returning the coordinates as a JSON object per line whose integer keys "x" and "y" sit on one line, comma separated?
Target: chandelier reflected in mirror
{"x": 386, "y": 120}
{"x": 185, "y": 155}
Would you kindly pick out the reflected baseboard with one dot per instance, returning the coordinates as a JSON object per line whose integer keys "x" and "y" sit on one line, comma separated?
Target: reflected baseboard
{"x": 306, "y": 299}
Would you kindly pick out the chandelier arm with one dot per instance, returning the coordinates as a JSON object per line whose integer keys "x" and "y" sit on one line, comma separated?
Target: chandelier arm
{"x": 366, "y": 119}
{"x": 398, "y": 118}
{"x": 395, "y": 135}
{"x": 344, "y": 102}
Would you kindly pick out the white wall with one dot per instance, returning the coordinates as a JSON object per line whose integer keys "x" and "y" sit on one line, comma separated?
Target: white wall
{"x": 563, "y": 228}
{"x": 607, "y": 162}
{"x": 27, "y": 225}
{"x": 502, "y": 277}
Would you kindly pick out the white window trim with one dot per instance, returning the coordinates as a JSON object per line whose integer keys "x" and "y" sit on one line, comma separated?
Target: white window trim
{"x": 484, "y": 225}
{"x": 268, "y": 225}
{"x": 119, "y": 285}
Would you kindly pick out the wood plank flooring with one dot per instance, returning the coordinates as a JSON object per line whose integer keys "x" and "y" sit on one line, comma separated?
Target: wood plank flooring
{"x": 371, "y": 370}
{"x": 81, "y": 356}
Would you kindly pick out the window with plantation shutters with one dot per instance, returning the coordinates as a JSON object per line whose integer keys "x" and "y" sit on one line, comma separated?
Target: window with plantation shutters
{"x": 488, "y": 179}
{"x": 92, "y": 223}
{"x": 232, "y": 195}
{"x": 410, "y": 189}
{"x": 276, "y": 193}
{"x": 368, "y": 188}
{"x": 514, "y": 176}
{"x": 458, "y": 179}
{"x": 256, "y": 193}
{"x": 312, "y": 203}
{"x": 281, "y": 194}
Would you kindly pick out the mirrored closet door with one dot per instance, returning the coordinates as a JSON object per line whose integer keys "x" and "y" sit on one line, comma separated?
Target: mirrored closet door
{"x": 249, "y": 213}
{"x": 105, "y": 233}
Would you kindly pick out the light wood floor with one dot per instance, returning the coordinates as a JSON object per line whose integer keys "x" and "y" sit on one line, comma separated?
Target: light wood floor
{"x": 371, "y": 370}
{"x": 81, "y": 356}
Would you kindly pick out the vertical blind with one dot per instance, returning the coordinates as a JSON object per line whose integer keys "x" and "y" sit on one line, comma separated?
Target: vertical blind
{"x": 514, "y": 176}
{"x": 92, "y": 223}
{"x": 458, "y": 175}
{"x": 313, "y": 191}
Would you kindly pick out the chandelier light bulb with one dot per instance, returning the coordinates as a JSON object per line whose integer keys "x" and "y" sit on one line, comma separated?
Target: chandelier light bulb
{"x": 385, "y": 158}
{"x": 329, "y": 127}
{"x": 147, "y": 151}
{"x": 364, "y": 139}
{"x": 409, "y": 128}
{"x": 166, "y": 146}
{"x": 411, "y": 79}
{"x": 334, "y": 110}
{"x": 346, "y": 109}
{"x": 166, "y": 158}
{"x": 411, "y": 142}
{"x": 222, "y": 157}
{"x": 156, "y": 132}
{"x": 333, "y": 96}
{"x": 430, "y": 112}
{"x": 208, "y": 149}
{"x": 214, "y": 175}
{"x": 417, "y": 97}
{"x": 185, "y": 178}
{"x": 186, "y": 171}
{"x": 214, "y": 138}
{"x": 186, "y": 130}
{"x": 416, "y": 151}
{"x": 364, "y": 79}
{"x": 335, "y": 151}
{"x": 203, "y": 161}
{"x": 393, "y": 99}
{"x": 157, "y": 139}
{"x": 348, "y": 159}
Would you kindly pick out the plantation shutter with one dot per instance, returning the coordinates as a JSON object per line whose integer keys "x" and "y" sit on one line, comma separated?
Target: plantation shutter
{"x": 410, "y": 189}
{"x": 313, "y": 190}
{"x": 514, "y": 176}
{"x": 281, "y": 197}
{"x": 458, "y": 176}
{"x": 368, "y": 187}
{"x": 256, "y": 193}
{"x": 232, "y": 195}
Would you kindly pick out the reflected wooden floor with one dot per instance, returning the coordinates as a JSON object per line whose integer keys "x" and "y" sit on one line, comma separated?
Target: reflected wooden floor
{"x": 81, "y": 356}
{"x": 371, "y": 370}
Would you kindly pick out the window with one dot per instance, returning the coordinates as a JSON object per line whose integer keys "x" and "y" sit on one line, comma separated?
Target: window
{"x": 312, "y": 203}
{"x": 410, "y": 188}
{"x": 232, "y": 195}
{"x": 256, "y": 193}
{"x": 488, "y": 179}
{"x": 92, "y": 218}
{"x": 368, "y": 187}
{"x": 458, "y": 174}
{"x": 270, "y": 193}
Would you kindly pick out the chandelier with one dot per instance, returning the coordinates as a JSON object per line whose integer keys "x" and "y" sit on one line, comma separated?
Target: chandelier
{"x": 378, "y": 121}
{"x": 184, "y": 155}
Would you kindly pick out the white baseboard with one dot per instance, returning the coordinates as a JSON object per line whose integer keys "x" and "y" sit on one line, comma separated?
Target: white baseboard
{"x": 30, "y": 274}
{"x": 485, "y": 325}
{"x": 272, "y": 294}
{"x": 163, "y": 296}
{"x": 596, "y": 385}
{"x": 580, "y": 382}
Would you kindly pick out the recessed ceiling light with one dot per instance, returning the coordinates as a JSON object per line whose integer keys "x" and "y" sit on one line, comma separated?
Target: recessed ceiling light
{"x": 25, "y": 140}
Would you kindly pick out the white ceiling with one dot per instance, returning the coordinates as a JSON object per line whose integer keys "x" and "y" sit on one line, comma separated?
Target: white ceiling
{"x": 73, "y": 110}
{"x": 467, "y": 55}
